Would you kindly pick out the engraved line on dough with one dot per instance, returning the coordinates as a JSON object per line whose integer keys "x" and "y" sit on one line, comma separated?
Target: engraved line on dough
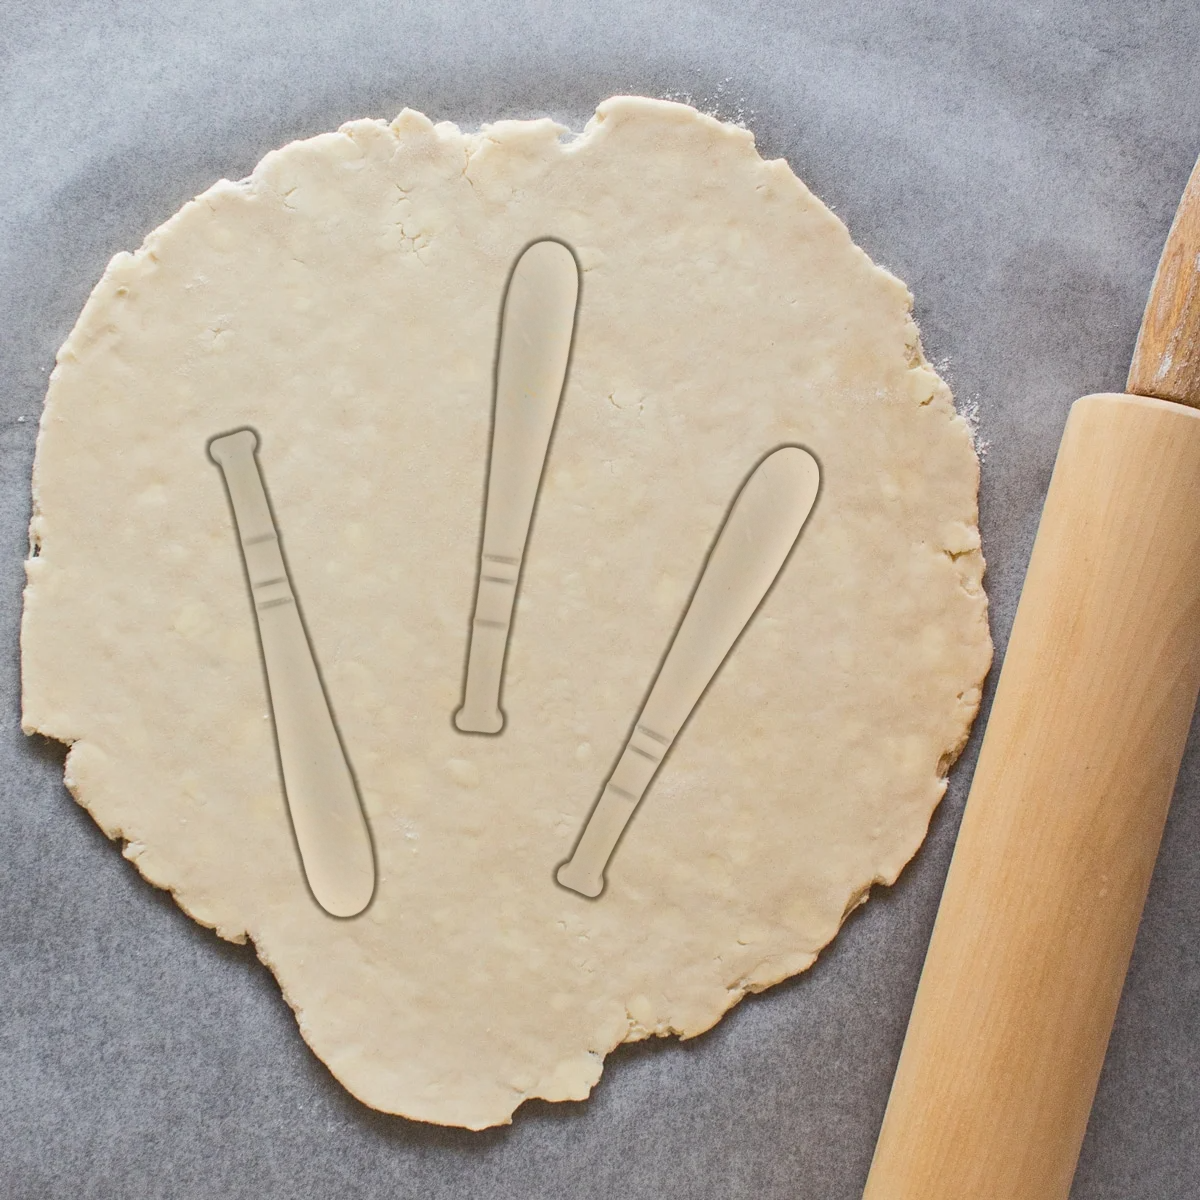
{"x": 658, "y": 737}
{"x": 533, "y": 353}
{"x": 755, "y": 540}
{"x": 645, "y": 753}
{"x": 328, "y": 823}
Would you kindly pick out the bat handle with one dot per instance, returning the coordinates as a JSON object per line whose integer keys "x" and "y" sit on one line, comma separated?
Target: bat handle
{"x": 583, "y": 872}
{"x": 480, "y": 711}
{"x": 327, "y": 817}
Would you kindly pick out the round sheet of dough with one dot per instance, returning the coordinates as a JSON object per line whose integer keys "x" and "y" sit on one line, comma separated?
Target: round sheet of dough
{"x": 344, "y": 301}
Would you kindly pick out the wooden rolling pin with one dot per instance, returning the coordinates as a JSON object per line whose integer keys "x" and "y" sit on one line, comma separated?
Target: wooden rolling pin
{"x": 1050, "y": 873}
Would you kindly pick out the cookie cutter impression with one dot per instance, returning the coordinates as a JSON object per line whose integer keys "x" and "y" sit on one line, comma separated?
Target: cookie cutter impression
{"x": 537, "y": 327}
{"x": 754, "y": 543}
{"x": 322, "y": 797}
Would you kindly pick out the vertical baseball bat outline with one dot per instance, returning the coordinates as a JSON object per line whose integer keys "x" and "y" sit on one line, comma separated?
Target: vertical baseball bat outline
{"x": 489, "y": 652}
{"x": 293, "y": 648}
{"x": 610, "y": 829}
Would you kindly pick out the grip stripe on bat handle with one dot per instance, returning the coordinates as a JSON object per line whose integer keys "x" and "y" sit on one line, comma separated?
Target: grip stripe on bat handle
{"x": 331, "y": 830}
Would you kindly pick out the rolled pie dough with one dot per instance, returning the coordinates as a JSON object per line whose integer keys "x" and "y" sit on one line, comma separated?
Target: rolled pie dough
{"x": 343, "y": 301}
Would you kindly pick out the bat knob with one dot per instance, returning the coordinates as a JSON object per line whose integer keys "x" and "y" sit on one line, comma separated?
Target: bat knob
{"x": 478, "y": 721}
{"x": 229, "y": 446}
{"x": 580, "y": 879}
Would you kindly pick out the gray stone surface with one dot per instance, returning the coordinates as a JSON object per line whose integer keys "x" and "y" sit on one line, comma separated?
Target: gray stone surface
{"x": 1017, "y": 164}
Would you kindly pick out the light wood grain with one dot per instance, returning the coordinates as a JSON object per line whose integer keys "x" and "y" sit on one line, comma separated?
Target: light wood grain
{"x": 1166, "y": 360}
{"x": 1054, "y": 858}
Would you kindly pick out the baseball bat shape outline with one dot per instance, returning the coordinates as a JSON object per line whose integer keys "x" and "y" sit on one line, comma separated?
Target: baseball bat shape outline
{"x": 322, "y": 797}
{"x": 763, "y": 525}
{"x": 536, "y": 331}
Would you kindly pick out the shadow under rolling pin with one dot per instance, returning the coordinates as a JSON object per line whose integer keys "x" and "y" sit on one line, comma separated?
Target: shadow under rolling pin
{"x": 759, "y": 533}
{"x": 331, "y": 830}
{"x": 535, "y": 343}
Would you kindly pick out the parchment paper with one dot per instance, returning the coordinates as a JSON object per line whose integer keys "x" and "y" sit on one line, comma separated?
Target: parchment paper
{"x": 1017, "y": 164}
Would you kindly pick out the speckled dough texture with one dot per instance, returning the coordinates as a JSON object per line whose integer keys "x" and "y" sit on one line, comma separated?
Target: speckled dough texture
{"x": 344, "y": 301}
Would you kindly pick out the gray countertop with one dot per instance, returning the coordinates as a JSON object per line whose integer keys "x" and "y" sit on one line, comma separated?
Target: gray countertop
{"x": 1016, "y": 164}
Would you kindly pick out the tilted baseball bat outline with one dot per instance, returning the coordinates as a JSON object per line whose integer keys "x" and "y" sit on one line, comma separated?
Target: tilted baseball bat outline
{"x": 536, "y": 332}
{"x": 322, "y": 796}
{"x": 763, "y": 525}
